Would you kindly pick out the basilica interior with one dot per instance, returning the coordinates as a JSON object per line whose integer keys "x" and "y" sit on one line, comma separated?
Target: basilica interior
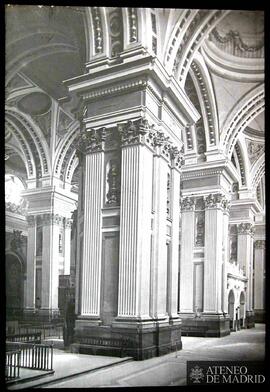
{"x": 134, "y": 174}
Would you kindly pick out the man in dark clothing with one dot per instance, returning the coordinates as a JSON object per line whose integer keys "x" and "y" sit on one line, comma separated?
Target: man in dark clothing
{"x": 69, "y": 323}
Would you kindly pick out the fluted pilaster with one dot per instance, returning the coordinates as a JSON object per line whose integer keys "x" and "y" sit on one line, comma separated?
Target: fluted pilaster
{"x": 245, "y": 258}
{"x": 187, "y": 243}
{"x": 135, "y": 229}
{"x": 92, "y": 238}
{"x": 174, "y": 259}
{"x": 259, "y": 278}
{"x": 213, "y": 274}
{"x": 29, "y": 291}
{"x": 160, "y": 255}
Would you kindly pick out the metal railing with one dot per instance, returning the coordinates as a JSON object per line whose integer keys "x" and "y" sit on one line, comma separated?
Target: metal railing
{"x": 46, "y": 329}
{"x": 12, "y": 369}
{"x": 33, "y": 356}
{"x": 34, "y": 337}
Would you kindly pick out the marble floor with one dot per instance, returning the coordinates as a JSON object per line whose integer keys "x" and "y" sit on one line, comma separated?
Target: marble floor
{"x": 171, "y": 369}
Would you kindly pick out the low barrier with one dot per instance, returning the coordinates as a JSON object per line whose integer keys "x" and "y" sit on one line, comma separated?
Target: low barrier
{"x": 12, "y": 369}
{"x": 34, "y": 337}
{"x": 33, "y": 356}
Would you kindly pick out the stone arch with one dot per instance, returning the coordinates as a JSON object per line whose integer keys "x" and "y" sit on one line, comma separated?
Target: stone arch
{"x": 33, "y": 136}
{"x": 203, "y": 23}
{"x": 23, "y": 150}
{"x": 257, "y": 171}
{"x": 240, "y": 116}
{"x": 207, "y": 100}
{"x": 66, "y": 146}
{"x": 243, "y": 163}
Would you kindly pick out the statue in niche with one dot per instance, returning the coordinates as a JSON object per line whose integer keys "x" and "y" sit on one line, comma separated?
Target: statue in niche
{"x": 199, "y": 241}
{"x": 233, "y": 255}
{"x": 113, "y": 179}
{"x": 16, "y": 242}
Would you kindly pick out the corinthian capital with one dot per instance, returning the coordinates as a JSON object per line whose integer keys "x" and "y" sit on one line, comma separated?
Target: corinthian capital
{"x": 134, "y": 132}
{"x": 245, "y": 228}
{"x": 92, "y": 140}
{"x": 68, "y": 223}
{"x": 176, "y": 156}
{"x": 260, "y": 244}
{"x": 30, "y": 220}
{"x": 214, "y": 200}
{"x": 187, "y": 204}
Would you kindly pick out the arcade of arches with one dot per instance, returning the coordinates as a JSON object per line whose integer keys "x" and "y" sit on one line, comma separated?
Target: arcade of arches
{"x": 134, "y": 151}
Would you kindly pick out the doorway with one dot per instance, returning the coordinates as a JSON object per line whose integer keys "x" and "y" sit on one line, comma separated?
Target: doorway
{"x": 231, "y": 302}
{"x": 242, "y": 309}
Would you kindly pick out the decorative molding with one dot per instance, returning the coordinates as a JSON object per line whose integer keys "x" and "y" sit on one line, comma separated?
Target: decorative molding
{"x": 241, "y": 164}
{"x": 133, "y": 24}
{"x": 206, "y": 101}
{"x": 233, "y": 43}
{"x": 193, "y": 26}
{"x": 199, "y": 128}
{"x": 181, "y": 26}
{"x": 98, "y": 33}
{"x": 99, "y": 93}
{"x": 259, "y": 244}
{"x": 187, "y": 204}
{"x": 245, "y": 228}
{"x": 116, "y": 30}
{"x": 154, "y": 31}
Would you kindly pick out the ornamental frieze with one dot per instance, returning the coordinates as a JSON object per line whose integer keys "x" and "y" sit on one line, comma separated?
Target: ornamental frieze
{"x": 187, "y": 204}
{"x": 245, "y": 228}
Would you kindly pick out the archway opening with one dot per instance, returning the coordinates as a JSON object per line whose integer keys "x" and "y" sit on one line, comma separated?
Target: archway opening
{"x": 231, "y": 303}
{"x": 242, "y": 309}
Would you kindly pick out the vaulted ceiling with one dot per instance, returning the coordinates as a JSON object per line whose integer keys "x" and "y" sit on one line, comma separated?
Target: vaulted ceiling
{"x": 218, "y": 55}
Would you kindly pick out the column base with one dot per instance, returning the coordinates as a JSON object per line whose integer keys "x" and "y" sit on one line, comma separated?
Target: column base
{"x": 205, "y": 325}
{"x": 259, "y": 316}
{"x": 250, "y": 319}
{"x": 140, "y": 340}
